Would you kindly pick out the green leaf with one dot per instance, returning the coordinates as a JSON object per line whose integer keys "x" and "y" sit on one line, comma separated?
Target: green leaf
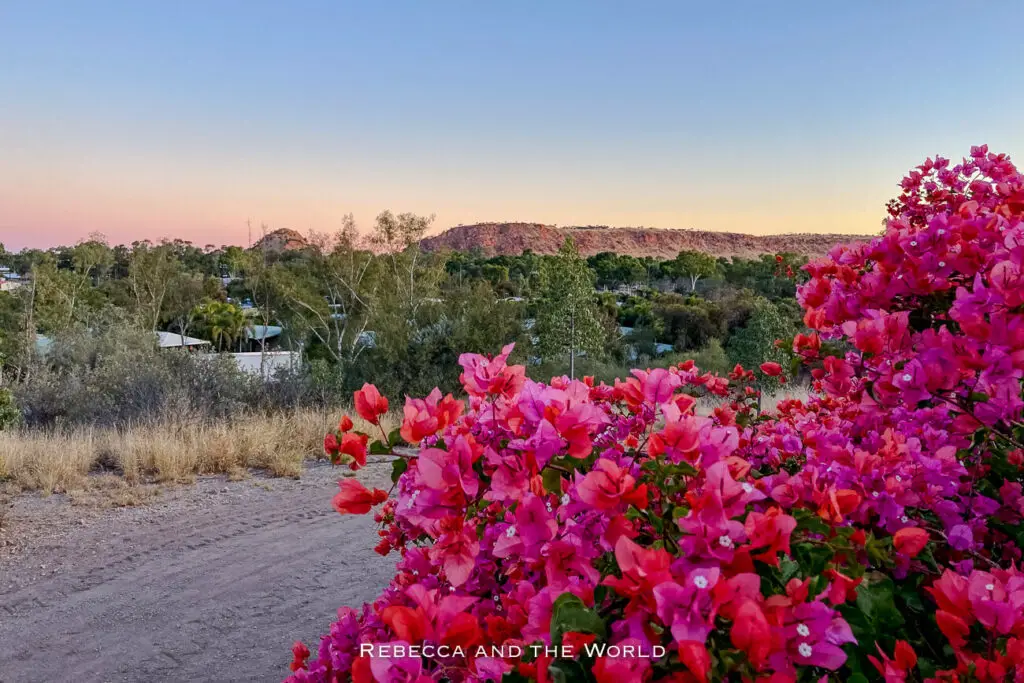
{"x": 812, "y": 558}
{"x": 570, "y": 614}
{"x": 552, "y": 479}
{"x": 789, "y": 569}
{"x": 398, "y": 468}
{"x": 810, "y": 522}
{"x": 567, "y": 671}
{"x": 875, "y": 598}
{"x": 379, "y": 448}
{"x": 395, "y": 437}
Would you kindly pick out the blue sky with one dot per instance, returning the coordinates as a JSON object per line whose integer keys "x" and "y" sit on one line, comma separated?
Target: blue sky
{"x": 149, "y": 119}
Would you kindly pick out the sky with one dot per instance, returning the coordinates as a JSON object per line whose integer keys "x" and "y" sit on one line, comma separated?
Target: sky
{"x": 149, "y": 119}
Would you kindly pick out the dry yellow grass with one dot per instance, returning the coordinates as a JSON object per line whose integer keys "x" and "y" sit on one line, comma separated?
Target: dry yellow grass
{"x": 170, "y": 452}
{"x": 707, "y": 404}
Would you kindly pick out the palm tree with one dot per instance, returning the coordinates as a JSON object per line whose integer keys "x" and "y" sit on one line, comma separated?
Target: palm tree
{"x": 224, "y": 323}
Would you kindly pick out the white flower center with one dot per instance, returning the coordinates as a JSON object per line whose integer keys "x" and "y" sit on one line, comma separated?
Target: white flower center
{"x": 942, "y": 264}
{"x": 990, "y": 586}
{"x": 805, "y": 650}
{"x": 803, "y": 630}
{"x": 904, "y": 519}
{"x": 548, "y": 506}
{"x": 497, "y": 599}
{"x": 899, "y": 478}
{"x": 874, "y": 494}
{"x": 725, "y": 541}
{"x": 941, "y": 231}
{"x": 565, "y": 499}
{"x": 913, "y": 243}
{"x": 700, "y": 582}
{"x": 747, "y": 488}
{"x": 907, "y": 377}
{"x": 415, "y": 572}
{"x": 510, "y": 532}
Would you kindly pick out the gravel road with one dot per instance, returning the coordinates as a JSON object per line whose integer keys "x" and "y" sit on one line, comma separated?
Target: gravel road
{"x": 209, "y": 582}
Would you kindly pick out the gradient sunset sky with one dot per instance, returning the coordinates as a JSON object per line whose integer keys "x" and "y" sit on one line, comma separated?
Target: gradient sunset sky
{"x": 186, "y": 118}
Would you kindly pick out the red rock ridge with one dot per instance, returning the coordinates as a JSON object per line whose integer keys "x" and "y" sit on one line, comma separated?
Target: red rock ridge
{"x": 494, "y": 239}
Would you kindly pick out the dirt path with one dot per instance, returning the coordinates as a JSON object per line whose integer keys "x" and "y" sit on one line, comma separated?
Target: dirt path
{"x": 211, "y": 582}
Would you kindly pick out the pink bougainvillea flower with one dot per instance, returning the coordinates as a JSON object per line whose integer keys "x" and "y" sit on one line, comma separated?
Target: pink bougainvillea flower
{"x": 456, "y": 551}
{"x": 620, "y": 669}
{"x": 482, "y": 376}
{"x": 609, "y": 486}
{"x": 738, "y": 540}
{"x": 426, "y": 417}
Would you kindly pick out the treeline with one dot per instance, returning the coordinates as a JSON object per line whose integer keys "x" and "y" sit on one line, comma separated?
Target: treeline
{"x": 374, "y": 307}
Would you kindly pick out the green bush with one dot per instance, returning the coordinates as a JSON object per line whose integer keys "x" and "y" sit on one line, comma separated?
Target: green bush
{"x": 115, "y": 376}
{"x": 10, "y": 415}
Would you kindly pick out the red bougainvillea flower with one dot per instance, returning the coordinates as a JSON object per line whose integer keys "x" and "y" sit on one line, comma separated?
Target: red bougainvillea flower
{"x": 751, "y": 632}
{"x": 895, "y": 669}
{"x": 356, "y": 499}
{"x": 370, "y": 405}
{"x": 771, "y": 369}
{"x": 331, "y": 444}
{"x": 910, "y": 541}
{"x": 300, "y": 653}
{"x": 351, "y": 445}
{"x": 354, "y": 446}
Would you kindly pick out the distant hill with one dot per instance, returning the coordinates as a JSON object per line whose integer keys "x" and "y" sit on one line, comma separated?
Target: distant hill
{"x": 283, "y": 239}
{"x": 508, "y": 239}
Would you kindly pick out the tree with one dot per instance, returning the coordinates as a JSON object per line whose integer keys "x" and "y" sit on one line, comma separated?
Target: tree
{"x": 14, "y": 337}
{"x": 222, "y": 322}
{"x": 694, "y": 265}
{"x": 186, "y": 294}
{"x": 755, "y": 343}
{"x": 150, "y": 272}
{"x": 688, "y": 323}
{"x": 567, "y": 319}
{"x": 62, "y": 298}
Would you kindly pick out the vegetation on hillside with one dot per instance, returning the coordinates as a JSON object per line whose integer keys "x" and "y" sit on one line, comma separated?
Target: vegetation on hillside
{"x": 358, "y": 306}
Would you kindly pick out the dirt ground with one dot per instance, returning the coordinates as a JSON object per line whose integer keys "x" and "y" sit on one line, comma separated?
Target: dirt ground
{"x": 207, "y": 582}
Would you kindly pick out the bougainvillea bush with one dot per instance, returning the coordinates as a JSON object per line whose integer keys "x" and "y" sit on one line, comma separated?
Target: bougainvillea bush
{"x": 573, "y": 532}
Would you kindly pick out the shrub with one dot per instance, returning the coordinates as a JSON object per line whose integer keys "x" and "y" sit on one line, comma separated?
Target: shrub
{"x": 116, "y": 376}
{"x": 870, "y": 532}
{"x": 10, "y": 415}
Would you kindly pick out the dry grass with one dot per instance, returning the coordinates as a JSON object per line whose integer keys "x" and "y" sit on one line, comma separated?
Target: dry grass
{"x": 171, "y": 452}
{"x": 707, "y": 404}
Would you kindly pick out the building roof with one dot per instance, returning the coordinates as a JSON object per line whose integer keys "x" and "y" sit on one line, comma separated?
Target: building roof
{"x": 43, "y": 344}
{"x": 263, "y": 332}
{"x": 173, "y": 339}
